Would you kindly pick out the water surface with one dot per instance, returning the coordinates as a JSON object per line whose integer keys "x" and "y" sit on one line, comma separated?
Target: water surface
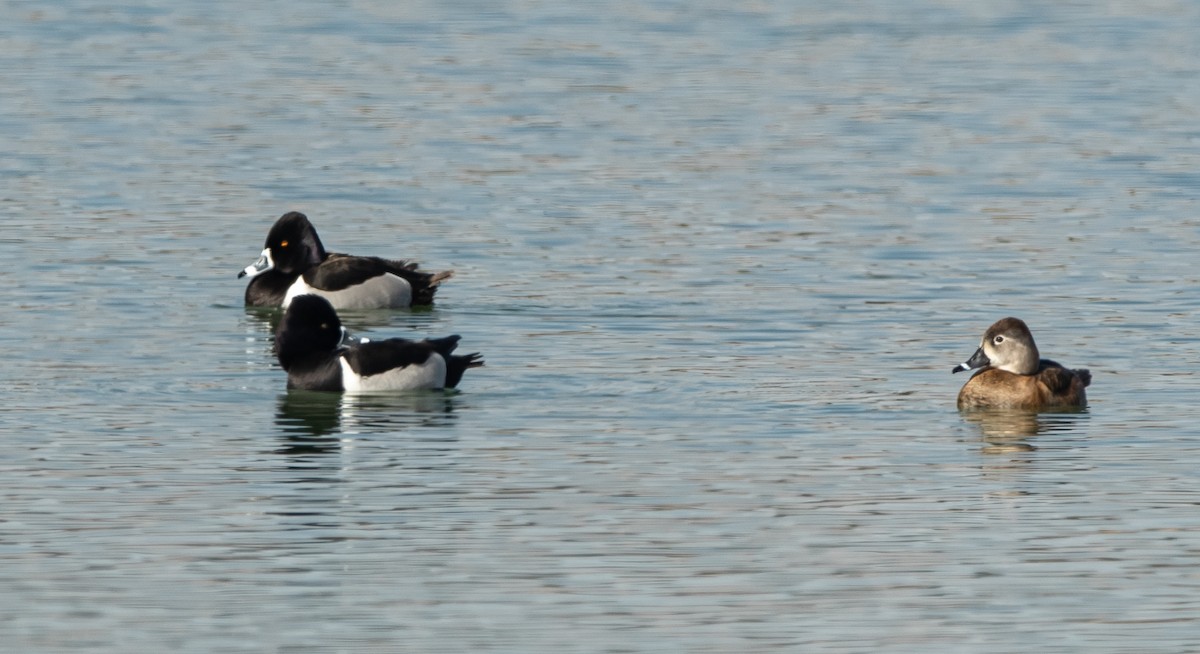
{"x": 720, "y": 262}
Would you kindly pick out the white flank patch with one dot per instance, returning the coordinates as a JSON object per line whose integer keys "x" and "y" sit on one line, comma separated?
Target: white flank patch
{"x": 383, "y": 292}
{"x": 431, "y": 374}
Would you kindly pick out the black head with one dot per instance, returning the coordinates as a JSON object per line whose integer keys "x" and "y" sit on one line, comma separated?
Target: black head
{"x": 294, "y": 244}
{"x": 310, "y": 326}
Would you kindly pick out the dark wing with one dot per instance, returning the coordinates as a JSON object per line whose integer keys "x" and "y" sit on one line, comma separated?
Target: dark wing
{"x": 381, "y": 356}
{"x": 1058, "y": 379}
{"x": 456, "y": 365}
{"x": 1084, "y": 376}
{"x": 341, "y": 271}
{"x": 424, "y": 285}
{"x": 444, "y": 345}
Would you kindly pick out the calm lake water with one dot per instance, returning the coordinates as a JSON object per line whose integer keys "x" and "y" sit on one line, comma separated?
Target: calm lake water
{"x": 720, "y": 259}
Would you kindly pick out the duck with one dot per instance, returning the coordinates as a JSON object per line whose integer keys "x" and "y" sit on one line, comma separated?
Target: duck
{"x": 318, "y": 354}
{"x": 294, "y": 262}
{"x": 1010, "y": 374}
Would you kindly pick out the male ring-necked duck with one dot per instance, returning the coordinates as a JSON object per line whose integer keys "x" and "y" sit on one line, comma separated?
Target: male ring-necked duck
{"x": 312, "y": 347}
{"x": 294, "y": 262}
{"x": 1013, "y": 375}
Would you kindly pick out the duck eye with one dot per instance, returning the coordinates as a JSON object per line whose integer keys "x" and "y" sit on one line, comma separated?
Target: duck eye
{"x": 324, "y": 325}
{"x": 998, "y": 340}
{"x": 283, "y": 244}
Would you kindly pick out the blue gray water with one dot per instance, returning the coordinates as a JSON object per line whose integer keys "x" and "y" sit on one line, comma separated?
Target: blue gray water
{"x": 720, "y": 259}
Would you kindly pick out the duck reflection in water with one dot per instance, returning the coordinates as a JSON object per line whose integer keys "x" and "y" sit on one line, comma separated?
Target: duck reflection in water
{"x": 317, "y": 420}
{"x": 1009, "y": 430}
{"x": 309, "y": 413}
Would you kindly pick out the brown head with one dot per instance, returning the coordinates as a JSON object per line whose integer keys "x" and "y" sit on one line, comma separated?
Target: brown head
{"x": 1007, "y": 345}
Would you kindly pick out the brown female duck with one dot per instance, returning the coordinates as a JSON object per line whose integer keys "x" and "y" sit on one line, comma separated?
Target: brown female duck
{"x": 1012, "y": 375}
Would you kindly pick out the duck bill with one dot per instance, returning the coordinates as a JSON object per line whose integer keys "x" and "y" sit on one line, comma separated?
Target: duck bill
{"x": 349, "y": 339}
{"x": 977, "y": 360}
{"x": 259, "y": 267}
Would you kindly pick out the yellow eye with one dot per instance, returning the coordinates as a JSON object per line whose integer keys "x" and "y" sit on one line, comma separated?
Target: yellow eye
{"x": 283, "y": 244}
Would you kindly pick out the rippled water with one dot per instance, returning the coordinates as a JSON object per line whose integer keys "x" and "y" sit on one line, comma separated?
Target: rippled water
{"x": 720, "y": 260}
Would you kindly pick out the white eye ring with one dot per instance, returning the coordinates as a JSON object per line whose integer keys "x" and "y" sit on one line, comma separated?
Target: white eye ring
{"x": 998, "y": 339}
